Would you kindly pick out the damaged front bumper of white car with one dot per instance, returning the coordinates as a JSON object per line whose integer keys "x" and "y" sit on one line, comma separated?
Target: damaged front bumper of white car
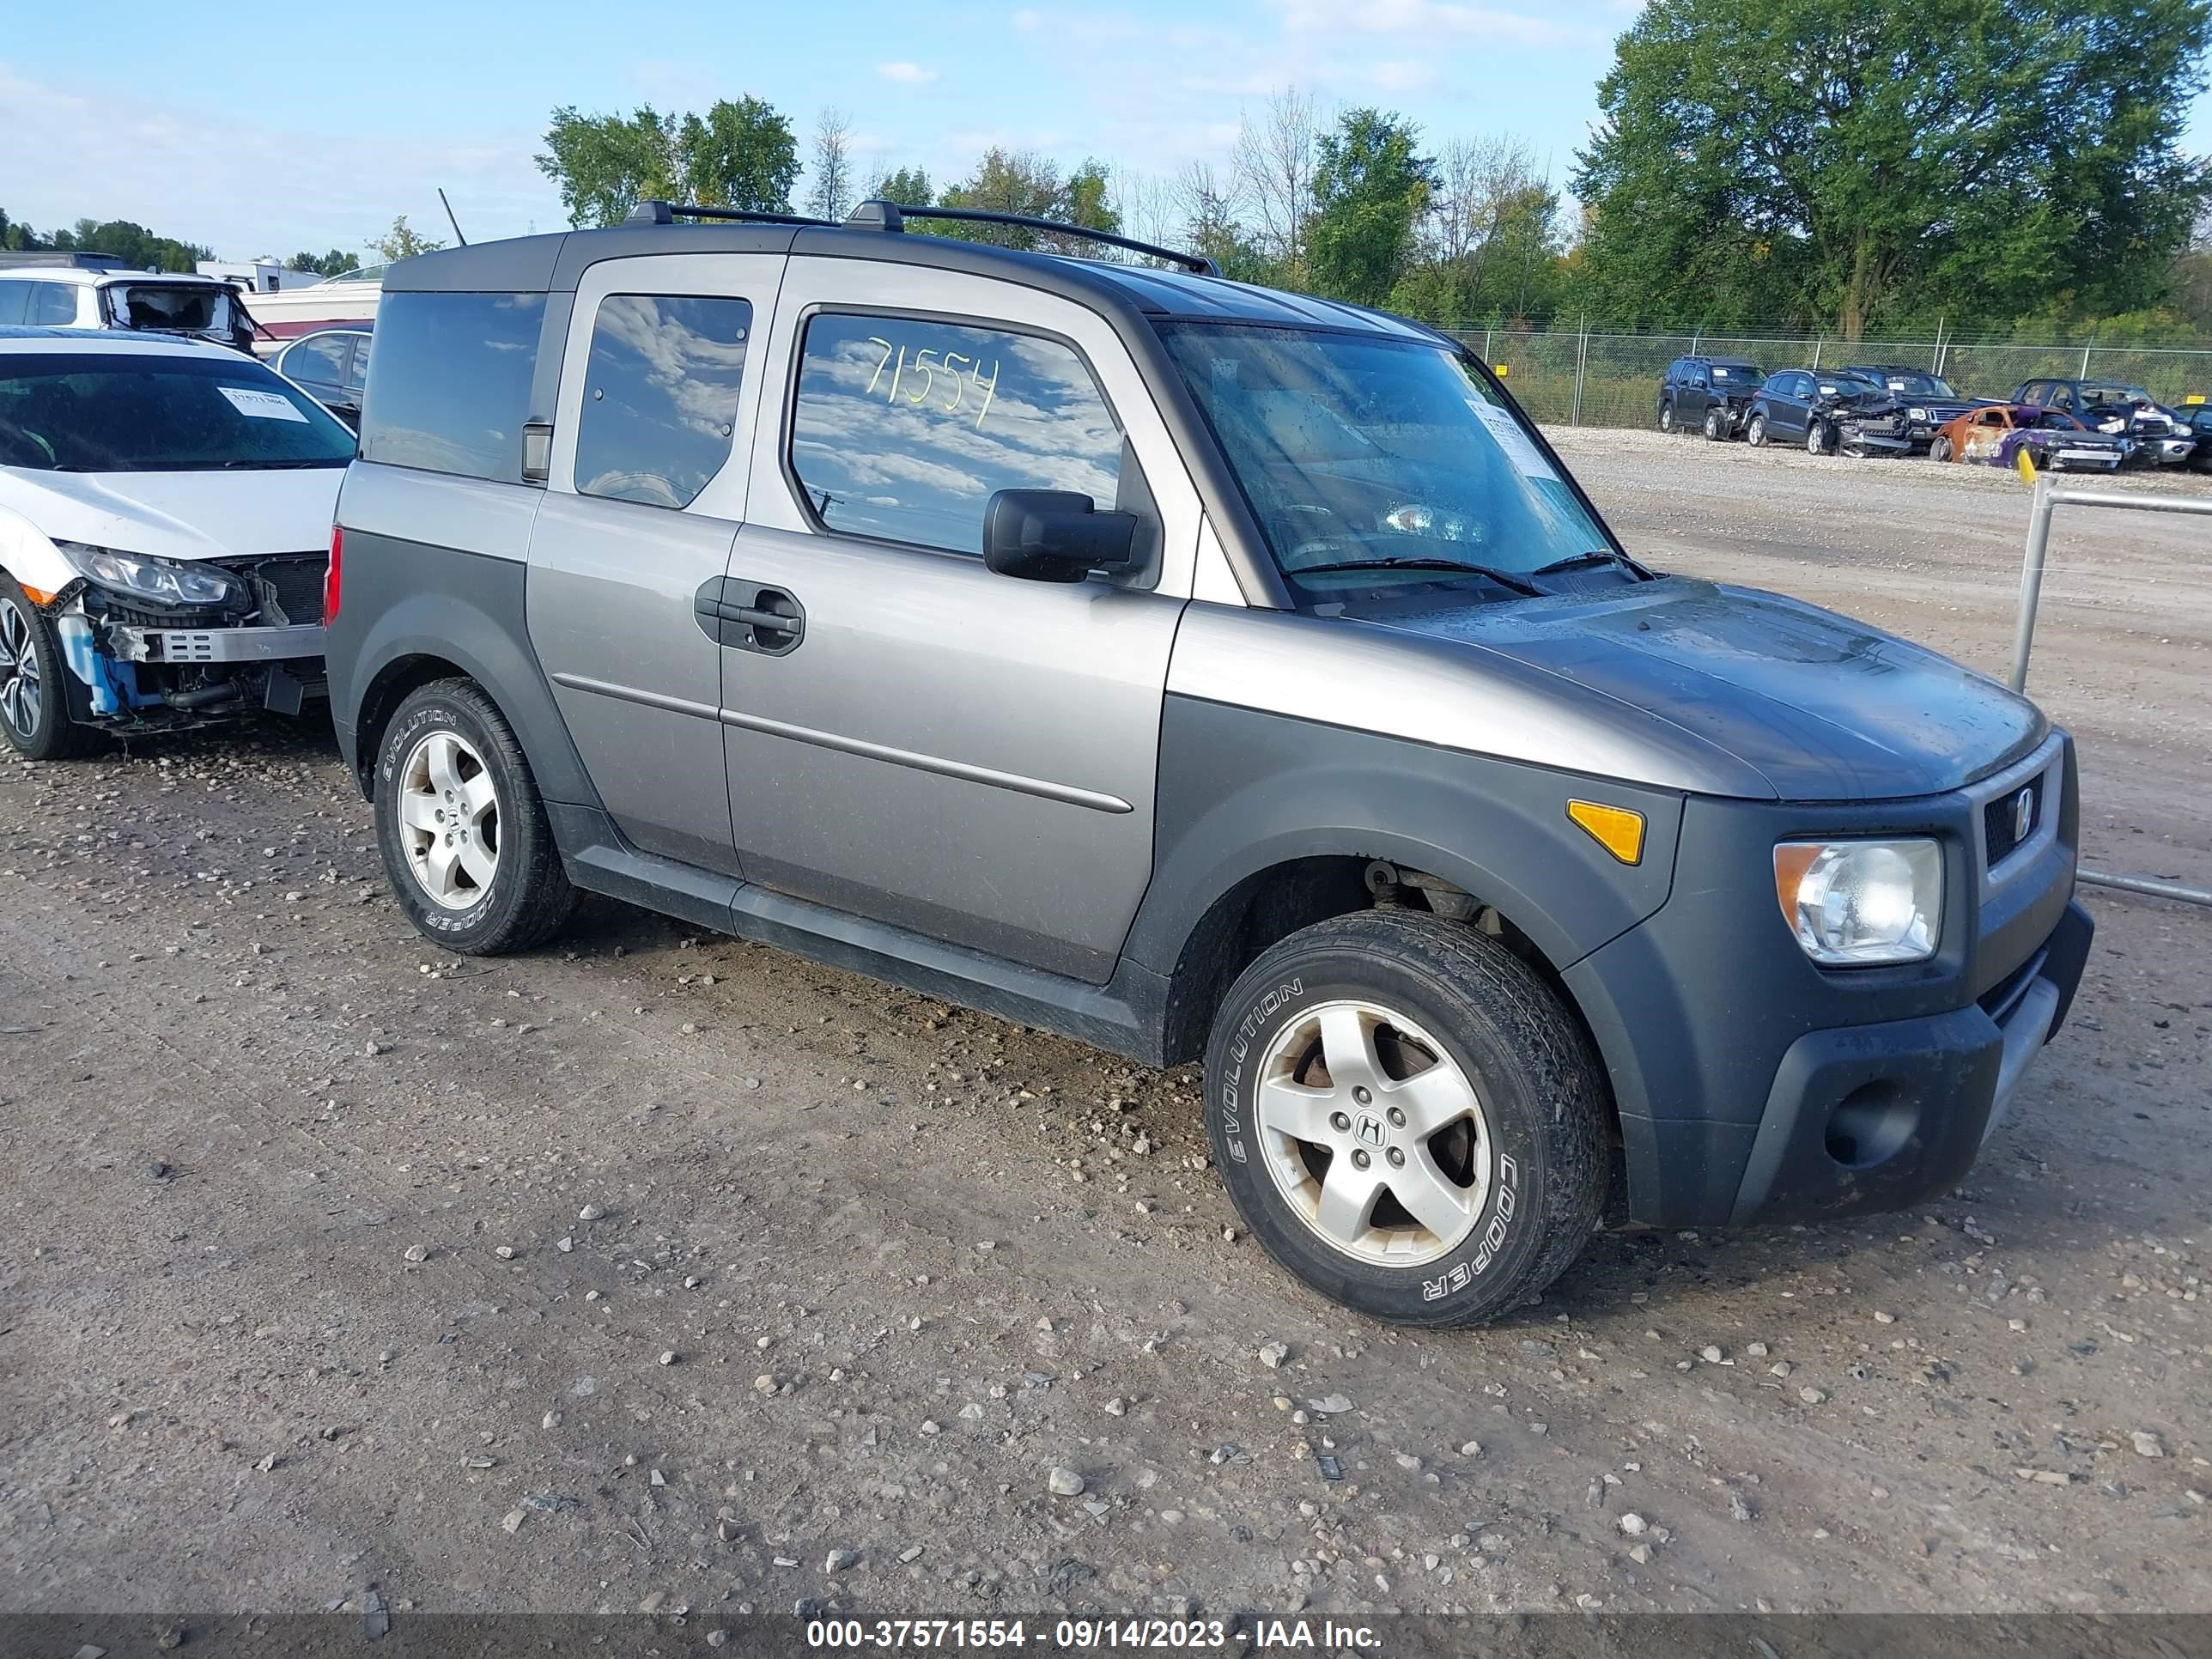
{"x": 157, "y": 644}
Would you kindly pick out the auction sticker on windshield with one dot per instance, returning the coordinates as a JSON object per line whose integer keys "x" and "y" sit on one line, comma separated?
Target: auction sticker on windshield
{"x": 262, "y": 405}
{"x": 1512, "y": 440}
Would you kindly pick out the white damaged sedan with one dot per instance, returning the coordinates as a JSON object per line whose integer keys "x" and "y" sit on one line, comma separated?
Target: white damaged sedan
{"x": 165, "y": 523}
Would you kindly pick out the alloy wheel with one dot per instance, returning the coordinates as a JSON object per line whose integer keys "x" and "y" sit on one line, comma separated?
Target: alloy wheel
{"x": 21, "y": 696}
{"x": 1374, "y": 1137}
{"x": 449, "y": 819}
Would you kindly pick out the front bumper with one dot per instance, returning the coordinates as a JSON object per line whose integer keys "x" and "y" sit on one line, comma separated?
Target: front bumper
{"x": 1878, "y": 1117}
{"x": 1753, "y": 1084}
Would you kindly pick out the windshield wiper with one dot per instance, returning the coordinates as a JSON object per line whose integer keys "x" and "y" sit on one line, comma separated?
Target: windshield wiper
{"x": 1595, "y": 555}
{"x": 1503, "y": 578}
{"x": 284, "y": 466}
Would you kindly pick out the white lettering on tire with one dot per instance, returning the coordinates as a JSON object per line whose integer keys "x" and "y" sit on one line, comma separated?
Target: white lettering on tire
{"x": 1232, "y": 1079}
{"x": 1465, "y": 1272}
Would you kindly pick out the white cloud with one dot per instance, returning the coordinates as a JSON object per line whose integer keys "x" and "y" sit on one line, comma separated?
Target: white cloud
{"x": 1435, "y": 17}
{"x": 259, "y": 189}
{"x": 911, "y": 73}
{"x": 1400, "y": 75}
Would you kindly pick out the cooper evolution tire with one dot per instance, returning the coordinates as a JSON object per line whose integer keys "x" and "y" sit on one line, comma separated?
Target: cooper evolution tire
{"x": 465, "y": 838}
{"x": 1407, "y": 1118}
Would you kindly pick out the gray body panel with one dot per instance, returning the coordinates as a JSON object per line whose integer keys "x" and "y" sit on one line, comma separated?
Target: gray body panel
{"x": 953, "y": 751}
{"x": 611, "y": 620}
{"x": 612, "y": 586}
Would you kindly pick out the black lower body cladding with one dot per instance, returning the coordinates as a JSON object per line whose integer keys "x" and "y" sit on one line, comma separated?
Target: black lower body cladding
{"x": 1755, "y": 1086}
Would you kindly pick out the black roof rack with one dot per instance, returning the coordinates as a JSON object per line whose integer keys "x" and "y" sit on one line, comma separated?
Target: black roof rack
{"x": 875, "y": 214}
{"x": 652, "y": 211}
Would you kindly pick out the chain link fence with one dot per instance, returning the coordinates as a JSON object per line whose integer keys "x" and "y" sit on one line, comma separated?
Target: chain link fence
{"x": 1573, "y": 378}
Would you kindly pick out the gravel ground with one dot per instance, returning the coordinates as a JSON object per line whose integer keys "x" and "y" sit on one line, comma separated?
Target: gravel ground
{"x": 663, "y": 1271}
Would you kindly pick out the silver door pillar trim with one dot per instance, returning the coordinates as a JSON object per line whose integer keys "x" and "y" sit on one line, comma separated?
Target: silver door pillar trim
{"x": 1044, "y": 788}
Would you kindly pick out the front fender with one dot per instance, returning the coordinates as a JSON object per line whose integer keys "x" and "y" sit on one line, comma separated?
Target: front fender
{"x": 1241, "y": 791}
{"x": 28, "y": 555}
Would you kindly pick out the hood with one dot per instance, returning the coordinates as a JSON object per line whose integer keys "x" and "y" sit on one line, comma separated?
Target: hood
{"x": 180, "y": 515}
{"x": 1822, "y": 706}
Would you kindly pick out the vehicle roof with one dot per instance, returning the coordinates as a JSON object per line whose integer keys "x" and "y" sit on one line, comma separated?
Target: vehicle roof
{"x": 16, "y": 340}
{"x": 86, "y": 278}
{"x": 552, "y": 264}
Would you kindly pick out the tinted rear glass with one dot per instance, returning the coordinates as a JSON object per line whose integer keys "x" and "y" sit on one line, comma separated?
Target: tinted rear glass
{"x": 450, "y": 388}
{"x": 660, "y": 396}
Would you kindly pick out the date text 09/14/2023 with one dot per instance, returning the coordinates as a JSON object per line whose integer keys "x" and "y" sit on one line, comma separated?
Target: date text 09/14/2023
{"x": 1100, "y": 1635}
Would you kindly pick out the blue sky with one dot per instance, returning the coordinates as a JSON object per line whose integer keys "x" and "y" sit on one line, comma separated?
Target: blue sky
{"x": 310, "y": 126}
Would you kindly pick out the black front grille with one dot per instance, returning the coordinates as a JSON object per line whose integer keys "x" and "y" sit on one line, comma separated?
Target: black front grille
{"x": 287, "y": 587}
{"x": 2000, "y": 829}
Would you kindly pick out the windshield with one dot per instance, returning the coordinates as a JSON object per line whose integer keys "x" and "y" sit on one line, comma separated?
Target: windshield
{"x": 139, "y": 412}
{"x": 1910, "y": 383}
{"x": 1373, "y": 453}
{"x": 1850, "y": 388}
{"x": 2115, "y": 394}
{"x": 1733, "y": 375}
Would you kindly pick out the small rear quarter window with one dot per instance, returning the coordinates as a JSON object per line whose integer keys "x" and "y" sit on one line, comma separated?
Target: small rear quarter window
{"x": 450, "y": 388}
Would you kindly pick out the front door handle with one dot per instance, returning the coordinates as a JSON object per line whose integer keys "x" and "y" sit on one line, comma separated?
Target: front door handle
{"x": 749, "y": 616}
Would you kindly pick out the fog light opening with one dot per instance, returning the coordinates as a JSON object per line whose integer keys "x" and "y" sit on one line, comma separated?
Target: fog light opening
{"x": 1870, "y": 1125}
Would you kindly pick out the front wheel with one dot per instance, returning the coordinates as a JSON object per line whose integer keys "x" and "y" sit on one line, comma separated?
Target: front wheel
{"x": 1715, "y": 432}
{"x": 1755, "y": 434}
{"x": 1820, "y": 438}
{"x": 1407, "y": 1118}
{"x": 466, "y": 841}
{"x": 33, "y": 700}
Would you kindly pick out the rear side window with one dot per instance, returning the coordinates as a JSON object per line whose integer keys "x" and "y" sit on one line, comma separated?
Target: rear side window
{"x": 905, "y": 427}
{"x": 53, "y": 304}
{"x": 451, "y": 387}
{"x": 14, "y": 297}
{"x": 318, "y": 362}
{"x": 660, "y": 396}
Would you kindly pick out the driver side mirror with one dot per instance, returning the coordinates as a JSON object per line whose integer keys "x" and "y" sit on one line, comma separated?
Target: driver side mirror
{"x": 1054, "y": 536}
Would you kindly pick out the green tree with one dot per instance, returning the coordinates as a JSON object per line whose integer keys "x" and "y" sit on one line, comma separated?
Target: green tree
{"x": 1020, "y": 181}
{"x": 605, "y": 165}
{"x": 334, "y": 262}
{"x": 1370, "y": 187}
{"x": 909, "y": 185}
{"x": 1835, "y": 162}
{"x": 831, "y": 169}
{"x": 403, "y": 241}
{"x": 739, "y": 154}
{"x": 131, "y": 243}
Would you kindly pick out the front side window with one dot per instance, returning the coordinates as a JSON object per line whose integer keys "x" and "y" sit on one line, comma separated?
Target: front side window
{"x": 453, "y": 382}
{"x": 660, "y": 396}
{"x": 1373, "y": 462}
{"x": 904, "y": 427}
{"x": 114, "y": 412}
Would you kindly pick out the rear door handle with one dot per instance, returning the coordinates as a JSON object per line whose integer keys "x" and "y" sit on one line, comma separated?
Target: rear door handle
{"x": 750, "y": 616}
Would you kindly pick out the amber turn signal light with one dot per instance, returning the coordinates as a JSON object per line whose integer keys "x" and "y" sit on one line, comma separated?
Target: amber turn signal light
{"x": 1616, "y": 828}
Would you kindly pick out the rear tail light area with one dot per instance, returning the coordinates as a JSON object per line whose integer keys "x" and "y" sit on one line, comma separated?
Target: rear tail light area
{"x": 333, "y": 578}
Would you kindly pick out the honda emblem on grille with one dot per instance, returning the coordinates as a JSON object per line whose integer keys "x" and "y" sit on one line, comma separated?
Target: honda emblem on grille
{"x": 2023, "y": 814}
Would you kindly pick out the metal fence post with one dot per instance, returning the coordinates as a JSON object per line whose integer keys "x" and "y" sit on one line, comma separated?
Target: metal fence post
{"x": 2030, "y": 582}
{"x": 1581, "y": 362}
{"x": 1817, "y": 344}
{"x": 1486, "y": 333}
{"x": 2086, "y": 349}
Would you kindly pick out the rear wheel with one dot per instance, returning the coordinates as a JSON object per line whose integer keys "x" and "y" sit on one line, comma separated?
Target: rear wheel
{"x": 1667, "y": 415}
{"x": 1940, "y": 449}
{"x": 34, "y": 699}
{"x": 1407, "y": 1118}
{"x": 466, "y": 841}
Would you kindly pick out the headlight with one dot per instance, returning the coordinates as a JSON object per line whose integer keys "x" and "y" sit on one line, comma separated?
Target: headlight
{"x": 165, "y": 580}
{"x": 1855, "y": 903}
{"x": 1916, "y": 413}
